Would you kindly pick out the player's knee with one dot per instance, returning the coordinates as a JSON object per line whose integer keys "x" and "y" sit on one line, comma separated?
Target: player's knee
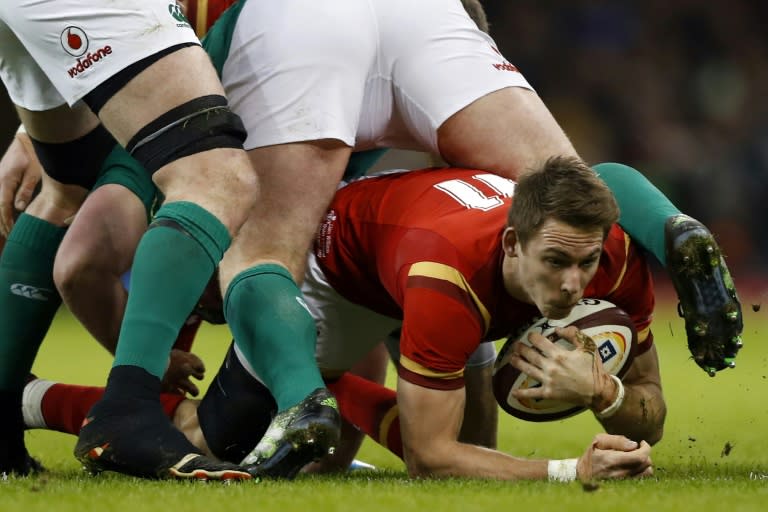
{"x": 68, "y": 273}
{"x": 77, "y": 265}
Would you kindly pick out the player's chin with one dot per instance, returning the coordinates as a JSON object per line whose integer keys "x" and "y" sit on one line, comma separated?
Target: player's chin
{"x": 557, "y": 311}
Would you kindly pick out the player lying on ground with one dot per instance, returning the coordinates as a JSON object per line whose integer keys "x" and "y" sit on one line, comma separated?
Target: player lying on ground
{"x": 429, "y": 249}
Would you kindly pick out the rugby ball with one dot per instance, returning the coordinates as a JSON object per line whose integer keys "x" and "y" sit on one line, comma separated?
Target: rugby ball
{"x": 614, "y": 335}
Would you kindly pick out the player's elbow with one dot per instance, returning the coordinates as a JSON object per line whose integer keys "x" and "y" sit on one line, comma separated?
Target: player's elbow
{"x": 658, "y": 431}
{"x": 653, "y": 426}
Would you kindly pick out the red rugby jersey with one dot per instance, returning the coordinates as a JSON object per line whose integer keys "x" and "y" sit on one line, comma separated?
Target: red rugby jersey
{"x": 204, "y": 13}
{"x": 425, "y": 246}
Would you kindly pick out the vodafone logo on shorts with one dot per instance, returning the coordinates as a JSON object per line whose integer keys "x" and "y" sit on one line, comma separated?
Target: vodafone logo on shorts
{"x": 75, "y": 42}
{"x": 504, "y": 66}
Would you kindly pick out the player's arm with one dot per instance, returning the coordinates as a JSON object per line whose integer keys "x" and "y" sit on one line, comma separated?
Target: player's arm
{"x": 481, "y": 412}
{"x": 430, "y": 420}
{"x": 642, "y": 412}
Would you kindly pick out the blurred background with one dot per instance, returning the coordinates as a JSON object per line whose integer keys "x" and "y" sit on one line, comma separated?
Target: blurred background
{"x": 677, "y": 89}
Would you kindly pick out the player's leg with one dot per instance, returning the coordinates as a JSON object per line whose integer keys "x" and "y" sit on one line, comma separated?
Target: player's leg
{"x": 28, "y": 296}
{"x": 298, "y": 84}
{"x": 708, "y": 299}
{"x": 194, "y": 147}
{"x": 372, "y": 367}
{"x": 99, "y": 247}
{"x": 63, "y": 407}
{"x": 264, "y": 306}
{"x": 474, "y": 108}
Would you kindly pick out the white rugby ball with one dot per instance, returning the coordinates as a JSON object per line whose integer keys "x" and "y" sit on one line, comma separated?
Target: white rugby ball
{"x": 615, "y": 337}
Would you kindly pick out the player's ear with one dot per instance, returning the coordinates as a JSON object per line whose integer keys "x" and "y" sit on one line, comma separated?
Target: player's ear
{"x": 509, "y": 241}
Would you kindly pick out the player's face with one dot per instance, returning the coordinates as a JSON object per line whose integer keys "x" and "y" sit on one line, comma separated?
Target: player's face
{"x": 555, "y": 267}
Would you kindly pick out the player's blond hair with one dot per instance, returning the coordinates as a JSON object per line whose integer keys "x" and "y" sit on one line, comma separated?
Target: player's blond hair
{"x": 565, "y": 189}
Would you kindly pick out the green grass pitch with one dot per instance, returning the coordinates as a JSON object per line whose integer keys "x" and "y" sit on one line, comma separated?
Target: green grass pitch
{"x": 714, "y": 454}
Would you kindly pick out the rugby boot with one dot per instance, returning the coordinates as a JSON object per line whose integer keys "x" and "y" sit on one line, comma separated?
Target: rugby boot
{"x": 128, "y": 432}
{"x": 14, "y": 458}
{"x": 297, "y": 436}
{"x": 708, "y": 300}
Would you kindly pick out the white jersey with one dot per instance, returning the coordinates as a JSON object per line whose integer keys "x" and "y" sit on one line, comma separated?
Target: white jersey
{"x": 371, "y": 73}
{"x": 56, "y": 51}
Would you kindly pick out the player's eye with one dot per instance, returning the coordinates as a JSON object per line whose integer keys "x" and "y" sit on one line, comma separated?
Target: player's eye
{"x": 555, "y": 262}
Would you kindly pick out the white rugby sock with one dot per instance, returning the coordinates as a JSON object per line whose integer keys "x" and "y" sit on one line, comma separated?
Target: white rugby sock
{"x": 32, "y": 402}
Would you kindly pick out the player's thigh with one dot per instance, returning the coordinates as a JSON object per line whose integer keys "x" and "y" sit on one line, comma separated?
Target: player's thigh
{"x": 438, "y": 62}
{"x": 296, "y": 69}
{"x": 460, "y": 97}
{"x": 347, "y": 332}
{"x": 296, "y": 184}
{"x": 507, "y": 132}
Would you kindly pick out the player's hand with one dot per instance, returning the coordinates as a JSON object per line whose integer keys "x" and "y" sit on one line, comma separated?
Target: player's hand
{"x": 178, "y": 377}
{"x": 574, "y": 376}
{"x": 20, "y": 172}
{"x": 611, "y": 456}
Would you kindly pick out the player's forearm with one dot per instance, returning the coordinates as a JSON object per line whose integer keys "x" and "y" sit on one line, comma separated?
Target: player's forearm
{"x": 465, "y": 460}
{"x": 641, "y": 415}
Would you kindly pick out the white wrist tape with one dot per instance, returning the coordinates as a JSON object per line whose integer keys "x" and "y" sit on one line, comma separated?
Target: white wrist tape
{"x": 21, "y": 129}
{"x": 611, "y": 409}
{"x": 562, "y": 470}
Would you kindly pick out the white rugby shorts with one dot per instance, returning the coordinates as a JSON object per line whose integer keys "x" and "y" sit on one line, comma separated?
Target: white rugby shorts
{"x": 56, "y": 51}
{"x": 371, "y": 73}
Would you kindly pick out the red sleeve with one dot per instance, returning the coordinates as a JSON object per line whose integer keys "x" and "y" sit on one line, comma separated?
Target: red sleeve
{"x": 443, "y": 323}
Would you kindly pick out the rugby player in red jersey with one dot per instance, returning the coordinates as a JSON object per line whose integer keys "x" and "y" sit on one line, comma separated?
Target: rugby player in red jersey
{"x": 429, "y": 251}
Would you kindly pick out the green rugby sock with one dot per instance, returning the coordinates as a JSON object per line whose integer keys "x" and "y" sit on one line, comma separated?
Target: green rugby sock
{"x": 28, "y": 296}
{"x": 172, "y": 266}
{"x": 644, "y": 208}
{"x": 274, "y": 330}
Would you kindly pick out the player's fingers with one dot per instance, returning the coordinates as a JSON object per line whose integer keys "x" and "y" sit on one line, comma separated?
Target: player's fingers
{"x": 542, "y": 344}
{"x": 570, "y": 334}
{"x": 530, "y": 353}
{"x": 604, "y": 441}
{"x": 196, "y": 366}
{"x": 525, "y": 367}
{"x": 7, "y": 188}
{"x": 645, "y": 473}
{"x": 188, "y": 386}
{"x": 27, "y": 188}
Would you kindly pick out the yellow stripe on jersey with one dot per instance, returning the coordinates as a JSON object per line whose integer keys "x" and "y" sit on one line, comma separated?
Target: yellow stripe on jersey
{"x": 453, "y": 276}
{"x": 418, "y": 369}
{"x": 627, "y": 241}
{"x": 201, "y": 23}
